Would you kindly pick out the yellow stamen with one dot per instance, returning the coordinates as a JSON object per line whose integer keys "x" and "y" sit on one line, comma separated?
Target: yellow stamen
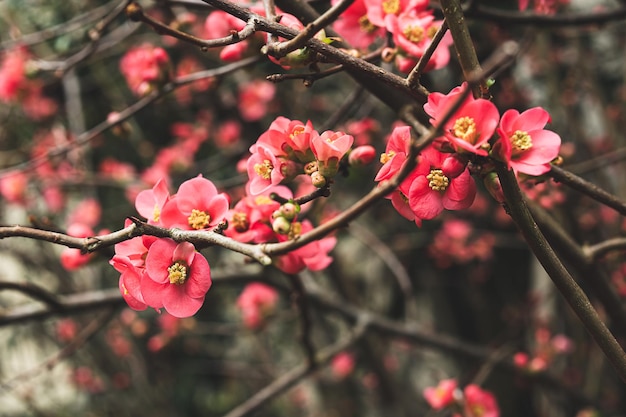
{"x": 264, "y": 170}
{"x": 156, "y": 213}
{"x": 465, "y": 128}
{"x": 198, "y": 219}
{"x": 177, "y": 273}
{"x": 386, "y": 157}
{"x": 366, "y": 25}
{"x": 391, "y": 6}
{"x": 414, "y": 33}
{"x": 296, "y": 131}
{"x": 521, "y": 141}
{"x": 437, "y": 180}
{"x": 240, "y": 222}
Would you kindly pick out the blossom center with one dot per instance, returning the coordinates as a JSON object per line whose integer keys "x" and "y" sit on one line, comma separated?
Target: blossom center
{"x": 432, "y": 31}
{"x": 296, "y": 131}
{"x": 386, "y": 157}
{"x": 198, "y": 219}
{"x": 156, "y": 213}
{"x": 177, "y": 273}
{"x": 437, "y": 180}
{"x": 391, "y": 6}
{"x": 414, "y": 33}
{"x": 366, "y": 25}
{"x": 264, "y": 170}
{"x": 465, "y": 128}
{"x": 521, "y": 141}
{"x": 240, "y": 222}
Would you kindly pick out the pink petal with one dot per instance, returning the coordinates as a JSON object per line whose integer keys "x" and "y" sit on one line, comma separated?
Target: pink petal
{"x": 195, "y": 193}
{"x": 199, "y": 280}
{"x": 425, "y": 202}
{"x": 159, "y": 259}
{"x": 179, "y": 304}
{"x": 185, "y": 252}
{"x": 460, "y": 193}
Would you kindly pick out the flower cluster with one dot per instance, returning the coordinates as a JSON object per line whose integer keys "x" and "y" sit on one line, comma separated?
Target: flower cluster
{"x": 473, "y": 400}
{"x": 158, "y": 272}
{"x": 290, "y": 148}
{"x": 145, "y": 68}
{"x": 546, "y": 349}
{"x": 16, "y": 86}
{"x": 260, "y": 219}
{"x": 411, "y": 23}
{"x": 442, "y": 179}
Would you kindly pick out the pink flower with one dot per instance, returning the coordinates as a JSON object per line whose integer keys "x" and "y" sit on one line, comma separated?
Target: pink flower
{"x": 342, "y": 365}
{"x": 328, "y": 149}
{"x": 354, "y": 26}
{"x": 264, "y": 169}
{"x": 442, "y": 395}
{"x": 471, "y": 126}
{"x": 413, "y": 33}
{"x": 289, "y": 138}
{"x": 145, "y": 67}
{"x": 442, "y": 182}
{"x": 149, "y": 203}
{"x": 379, "y": 10}
{"x": 256, "y": 302}
{"x": 196, "y": 206}
{"x": 362, "y": 155}
{"x": 178, "y": 277}
{"x": 13, "y": 186}
{"x": 480, "y": 403}
{"x": 313, "y": 256}
{"x": 13, "y": 74}
{"x": 394, "y": 157}
{"x": 524, "y": 144}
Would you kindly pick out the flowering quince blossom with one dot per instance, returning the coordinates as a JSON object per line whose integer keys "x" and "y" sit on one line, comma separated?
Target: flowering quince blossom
{"x": 479, "y": 403}
{"x": 378, "y": 11}
{"x": 442, "y": 182}
{"x": 196, "y": 206}
{"x": 145, "y": 67}
{"x": 395, "y": 154}
{"x": 471, "y": 126}
{"x": 13, "y": 74}
{"x": 354, "y": 26}
{"x": 256, "y": 302}
{"x": 149, "y": 203}
{"x": 178, "y": 277}
{"x": 442, "y": 395}
{"x": 524, "y": 144}
{"x": 412, "y": 33}
{"x": 328, "y": 149}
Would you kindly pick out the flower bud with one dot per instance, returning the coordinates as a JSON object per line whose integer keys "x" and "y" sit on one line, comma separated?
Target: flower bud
{"x": 362, "y": 155}
{"x": 318, "y": 179}
{"x": 289, "y": 210}
{"x": 281, "y": 225}
{"x": 453, "y": 166}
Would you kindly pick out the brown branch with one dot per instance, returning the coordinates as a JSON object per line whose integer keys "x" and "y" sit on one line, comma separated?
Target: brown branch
{"x": 135, "y": 13}
{"x": 588, "y": 188}
{"x": 598, "y": 250}
{"x": 302, "y": 303}
{"x": 34, "y": 291}
{"x": 568, "y": 287}
{"x": 279, "y": 50}
{"x": 413, "y": 79}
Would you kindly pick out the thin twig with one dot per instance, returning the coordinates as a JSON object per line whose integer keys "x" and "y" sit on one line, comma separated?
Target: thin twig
{"x": 135, "y": 13}
{"x": 588, "y": 188}
{"x": 413, "y": 79}
{"x": 301, "y": 301}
